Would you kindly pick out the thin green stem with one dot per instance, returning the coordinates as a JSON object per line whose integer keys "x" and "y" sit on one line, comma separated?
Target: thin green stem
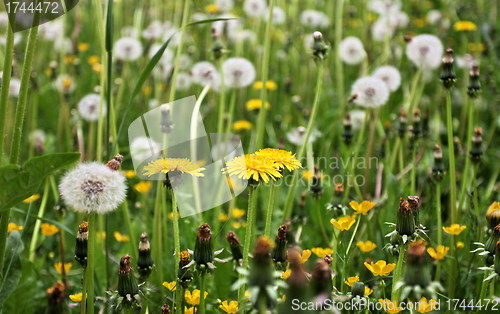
{"x": 413, "y": 184}
{"x": 89, "y": 289}
{"x": 248, "y": 236}
{"x": 451, "y": 155}
{"x": 36, "y": 229}
{"x": 4, "y": 95}
{"x": 201, "y": 308}
{"x": 177, "y": 239}
{"x": 185, "y": 19}
{"x": 339, "y": 71}
{"x": 346, "y": 255}
{"x": 470, "y": 127}
{"x": 438, "y": 214}
{"x": 269, "y": 211}
{"x": 398, "y": 272}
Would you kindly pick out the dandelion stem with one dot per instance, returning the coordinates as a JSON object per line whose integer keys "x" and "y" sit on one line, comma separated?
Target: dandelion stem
{"x": 177, "y": 240}
{"x": 4, "y": 95}
{"x": 339, "y": 71}
{"x": 413, "y": 185}
{"x": 248, "y": 236}
{"x": 438, "y": 214}
{"x": 484, "y": 284}
{"x": 291, "y": 192}
{"x": 398, "y": 272}
{"x": 201, "y": 308}
{"x": 451, "y": 155}
{"x": 185, "y": 19}
{"x": 89, "y": 288}
{"x": 269, "y": 212}
{"x": 470, "y": 123}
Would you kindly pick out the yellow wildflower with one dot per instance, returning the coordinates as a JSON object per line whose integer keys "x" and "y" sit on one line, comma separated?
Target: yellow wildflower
{"x": 424, "y": 306}
{"x": 286, "y": 274}
{"x": 82, "y": 47}
{"x": 270, "y": 85}
{"x": 143, "y": 187}
{"x": 391, "y": 307}
{"x": 170, "y": 285}
{"x": 242, "y": 125}
{"x": 454, "y": 229}
{"x": 368, "y": 291}
{"x": 380, "y": 268}
{"x": 351, "y": 280}
{"x": 101, "y": 235}
{"x": 252, "y": 167}
{"x": 14, "y": 227}
{"x": 76, "y": 297}
{"x": 120, "y": 237}
{"x": 419, "y": 22}
{"x": 229, "y": 307}
{"x": 193, "y": 298}
{"x": 189, "y": 310}
{"x": 223, "y": 217}
{"x": 166, "y": 165}
{"x": 463, "y": 26}
{"x": 59, "y": 267}
{"x": 362, "y": 208}
{"x": 343, "y": 223}
{"x": 307, "y": 175}
{"x": 211, "y": 8}
{"x": 48, "y": 229}
{"x": 255, "y": 104}
{"x": 460, "y": 244}
{"x": 305, "y": 256}
{"x": 32, "y": 198}
{"x": 438, "y": 253}
{"x": 366, "y": 246}
{"x": 321, "y": 252}
{"x": 237, "y": 213}
{"x": 93, "y": 60}
{"x": 97, "y": 67}
{"x": 476, "y": 47}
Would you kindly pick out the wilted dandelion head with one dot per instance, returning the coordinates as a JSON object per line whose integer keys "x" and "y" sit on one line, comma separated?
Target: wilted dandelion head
{"x": 351, "y": 50}
{"x": 127, "y": 49}
{"x": 314, "y": 19}
{"x": 255, "y": 8}
{"x": 238, "y": 72}
{"x": 371, "y": 92}
{"x": 93, "y": 188}
{"x": 89, "y": 107}
{"x": 390, "y": 75}
{"x": 425, "y": 51}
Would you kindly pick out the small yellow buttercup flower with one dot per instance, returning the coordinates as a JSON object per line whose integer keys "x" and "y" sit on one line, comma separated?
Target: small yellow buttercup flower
{"x": 255, "y": 104}
{"x": 211, "y": 8}
{"x": 380, "y": 268}
{"x": 170, "y": 285}
{"x": 59, "y": 267}
{"x": 237, "y": 213}
{"x": 476, "y": 47}
{"x": 391, "y": 307}
{"x": 343, "y": 223}
{"x": 32, "y": 198}
{"x": 286, "y": 274}
{"x": 307, "y": 175}
{"x": 76, "y": 297}
{"x": 93, "y": 60}
{"x": 82, "y": 47}
{"x": 362, "y": 208}
{"x": 351, "y": 280}
{"x": 189, "y": 310}
{"x": 321, "y": 252}
{"x": 366, "y": 246}
{"x": 14, "y": 227}
{"x": 193, "y": 298}
{"x": 368, "y": 291}
{"x": 460, "y": 244}
{"x": 143, "y": 187}
{"x": 438, "y": 253}
{"x": 424, "y": 306}
{"x": 462, "y": 26}
{"x": 242, "y": 125}
{"x": 270, "y": 85}
{"x": 49, "y": 229}
{"x": 223, "y": 217}
{"x": 121, "y": 237}
{"x": 229, "y": 307}
{"x": 454, "y": 229}
{"x": 305, "y": 256}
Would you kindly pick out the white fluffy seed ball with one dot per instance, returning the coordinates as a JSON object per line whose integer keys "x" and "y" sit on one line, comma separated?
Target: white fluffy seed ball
{"x": 371, "y": 92}
{"x": 89, "y": 107}
{"x": 425, "y": 51}
{"x": 390, "y": 75}
{"x": 351, "y": 50}
{"x": 127, "y": 49}
{"x": 238, "y": 72}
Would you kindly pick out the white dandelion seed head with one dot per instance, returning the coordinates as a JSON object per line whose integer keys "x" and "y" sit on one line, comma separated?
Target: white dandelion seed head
{"x": 229, "y": 28}
{"x": 93, "y": 188}
{"x": 400, "y": 20}
{"x": 127, "y": 49}
{"x": 51, "y": 30}
{"x": 238, "y": 72}
{"x": 357, "y": 118}
{"x": 14, "y": 87}
{"x": 390, "y": 75}
{"x": 279, "y": 15}
{"x": 185, "y": 61}
{"x": 204, "y": 73}
{"x": 255, "y": 8}
{"x": 371, "y": 92}
{"x": 89, "y": 107}
{"x": 382, "y": 29}
{"x": 63, "y": 44}
{"x": 425, "y": 51}
{"x": 224, "y": 5}
{"x": 169, "y": 31}
{"x": 64, "y": 84}
{"x": 153, "y": 31}
{"x": 385, "y": 7}
{"x": 143, "y": 148}
{"x": 297, "y": 136}
{"x": 184, "y": 81}
{"x": 433, "y": 17}
{"x": 314, "y": 19}
{"x": 351, "y": 50}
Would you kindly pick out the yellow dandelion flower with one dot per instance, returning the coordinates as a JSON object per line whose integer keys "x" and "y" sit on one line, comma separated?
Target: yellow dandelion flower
{"x": 174, "y": 165}
{"x": 255, "y": 104}
{"x": 380, "y": 268}
{"x": 253, "y": 167}
{"x": 76, "y": 297}
{"x": 321, "y": 252}
{"x": 368, "y": 291}
{"x": 247, "y": 294}
{"x": 223, "y": 217}
{"x": 286, "y": 274}
{"x": 305, "y": 256}
{"x": 362, "y": 208}
{"x": 391, "y": 307}
{"x": 93, "y": 60}
{"x": 419, "y": 22}
{"x": 493, "y": 211}
{"x": 307, "y": 175}
{"x": 343, "y": 223}
{"x": 476, "y": 47}
{"x": 438, "y": 253}
{"x": 170, "y": 285}
{"x": 143, "y": 187}
{"x": 237, "y": 213}
{"x": 70, "y": 59}
{"x": 48, "y": 229}
{"x": 454, "y": 229}
{"x": 211, "y": 8}
{"x": 189, "y": 310}
{"x": 229, "y": 307}
{"x": 82, "y": 47}
{"x": 97, "y": 67}
{"x": 351, "y": 280}
{"x": 121, "y": 237}
{"x": 366, "y": 246}
{"x": 270, "y": 85}
{"x": 14, "y": 227}
{"x": 32, "y": 198}
{"x": 460, "y": 244}
{"x": 424, "y": 306}
{"x": 59, "y": 267}
{"x": 242, "y": 125}
{"x": 282, "y": 158}
{"x": 193, "y": 298}
{"x": 464, "y": 26}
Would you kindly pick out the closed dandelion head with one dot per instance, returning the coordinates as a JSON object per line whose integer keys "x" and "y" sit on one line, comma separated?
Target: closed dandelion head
{"x": 235, "y": 245}
{"x": 145, "y": 261}
{"x": 238, "y": 72}
{"x": 127, "y": 49}
{"x": 448, "y": 76}
{"x": 127, "y": 284}
{"x": 321, "y": 278}
{"x": 371, "y": 92}
{"x": 438, "y": 169}
{"x": 253, "y": 167}
{"x": 390, "y": 75}
{"x": 319, "y": 48}
{"x": 90, "y": 106}
{"x": 280, "y": 252}
{"x": 425, "y": 51}
{"x": 474, "y": 88}
{"x": 351, "y": 50}
{"x": 81, "y": 245}
{"x": 476, "y": 150}
{"x": 203, "y": 253}
{"x": 93, "y": 187}
{"x": 405, "y": 223}
{"x": 493, "y": 214}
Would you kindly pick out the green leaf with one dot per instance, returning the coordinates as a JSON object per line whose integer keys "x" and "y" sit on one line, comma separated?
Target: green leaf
{"x": 12, "y": 268}
{"x": 19, "y": 183}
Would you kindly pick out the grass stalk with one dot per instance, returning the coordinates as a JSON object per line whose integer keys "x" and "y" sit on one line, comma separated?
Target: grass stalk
{"x": 451, "y": 156}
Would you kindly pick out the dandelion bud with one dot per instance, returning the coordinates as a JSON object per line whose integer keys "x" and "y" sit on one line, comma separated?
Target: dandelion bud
{"x": 279, "y": 252}
{"x": 358, "y": 289}
{"x": 425, "y": 123}
{"x": 166, "y": 122}
{"x": 403, "y": 121}
{"x": 320, "y": 48}
{"x": 203, "y": 253}
{"x": 145, "y": 261}
{"x": 417, "y": 128}
{"x": 165, "y": 309}
{"x": 493, "y": 214}
{"x": 497, "y": 258}
{"x": 476, "y": 150}
{"x": 339, "y": 190}
{"x": 448, "y": 76}
{"x": 261, "y": 278}
{"x": 115, "y": 163}
{"x": 321, "y": 278}
{"x": 347, "y": 134}
{"x": 405, "y": 223}
{"x": 289, "y": 234}
{"x": 474, "y": 88}
{"x": 81, "y": 244}
{"x": 127, "y": 284}
{"x": 414, "y": 202}
{"x": 56, "y": 296}
{"x": 235, "y": 245}
{"x": 316, "y": 185}
{"x": 218, "y": 47}
{"x": 185, "y": 275}
{"x": 490, "y": 243}
{"x": 438, "y": 168}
